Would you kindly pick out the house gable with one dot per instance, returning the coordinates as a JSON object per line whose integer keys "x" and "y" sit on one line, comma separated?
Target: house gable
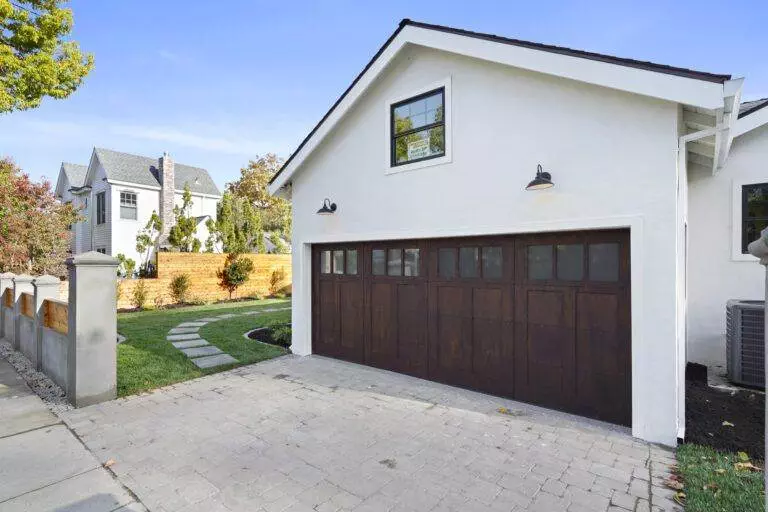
{"x": 702, "y": 90}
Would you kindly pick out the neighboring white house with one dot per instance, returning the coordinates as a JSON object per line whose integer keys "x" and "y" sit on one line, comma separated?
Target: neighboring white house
{"x": 440, "y": 254}
{"x": 118, "y": 193}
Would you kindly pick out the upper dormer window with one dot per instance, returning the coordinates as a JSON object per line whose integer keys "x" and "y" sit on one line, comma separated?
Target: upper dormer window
{"x": 418, "y": 128}
{"x": 128, "y": 205}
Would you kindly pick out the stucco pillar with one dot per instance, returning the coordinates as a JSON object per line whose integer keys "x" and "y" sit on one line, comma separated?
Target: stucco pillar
{"x": 759, "y": 249}
{"x": 6, "y": 282}
{"x": 21, "y": 284}
{"x": 92, "y": 357}
{"x": 46, "y": 287}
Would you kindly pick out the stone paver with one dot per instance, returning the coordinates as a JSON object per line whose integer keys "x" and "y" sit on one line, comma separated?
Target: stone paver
{"x": 314, "y": 434}
{"x": 209, "y": 350}
{"x": 199, "y": 342}
{"x": 214, "y": 360}
{"x": 182, "y": 337}
{"x": 183, "y": 330}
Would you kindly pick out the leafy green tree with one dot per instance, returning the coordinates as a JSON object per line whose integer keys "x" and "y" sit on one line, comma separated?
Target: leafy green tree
{"x": 182, "y": 235}
{"x": 147, "y": 239}
{"x": 274, "y": 212}
{"x": 235, "y": 273}
{"x": 34, "y": 226}
{"x": 126, "y": 266}
{"x": 213, "y": 236}
{"x": 36, "y": 60}
{"x": 277, "y": 241}
{"x": 238, "y": 225}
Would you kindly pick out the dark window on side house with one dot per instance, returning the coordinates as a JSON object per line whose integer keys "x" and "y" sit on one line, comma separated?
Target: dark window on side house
{"x": 418, "y": 128}
{"x": 754, "y": 213}
{"x": 101, "y": 208}
{"x": 128, "y": 205}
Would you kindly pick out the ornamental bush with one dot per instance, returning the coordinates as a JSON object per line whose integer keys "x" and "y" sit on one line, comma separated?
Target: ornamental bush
{"x": 179, "y": 288}
{"x": 235, "y": 272}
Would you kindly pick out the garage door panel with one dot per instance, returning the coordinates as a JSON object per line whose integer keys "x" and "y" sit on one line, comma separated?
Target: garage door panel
{"x": 453, "y": 343}
{"x": 328, "y": 315}
{"x": 412, "y": 328}
{"x": 383, "y": 345}
{"x": 351, "y": 316}
{"x": 597, "y": 311}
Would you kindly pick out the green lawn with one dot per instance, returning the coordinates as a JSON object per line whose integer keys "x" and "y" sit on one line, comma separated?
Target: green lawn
{"x": 146, "y": 360}
{"x": 713, "y": 484}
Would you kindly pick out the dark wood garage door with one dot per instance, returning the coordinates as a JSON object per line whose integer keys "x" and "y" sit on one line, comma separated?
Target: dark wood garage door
{"x": 541, "y": 318}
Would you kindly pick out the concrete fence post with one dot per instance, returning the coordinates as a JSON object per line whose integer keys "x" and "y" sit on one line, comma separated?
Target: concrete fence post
{"x": 92, "y": 357}
{"x": 6, "y": 283}
{"x": 21, "y": 284}
{"x": 46, "y": 287}
{"x": 759, "y": 249}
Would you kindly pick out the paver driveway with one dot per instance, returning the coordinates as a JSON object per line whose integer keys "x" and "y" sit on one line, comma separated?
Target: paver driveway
{"x": 304, "y": 434}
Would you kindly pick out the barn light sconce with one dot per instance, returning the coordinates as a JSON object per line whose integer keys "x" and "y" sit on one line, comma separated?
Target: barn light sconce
{"x": 542, "y": 180}
{"x": 328, "y": 208}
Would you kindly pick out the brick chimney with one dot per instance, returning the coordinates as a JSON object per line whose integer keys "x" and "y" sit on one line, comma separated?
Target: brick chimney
{"x": 167, "y": 191}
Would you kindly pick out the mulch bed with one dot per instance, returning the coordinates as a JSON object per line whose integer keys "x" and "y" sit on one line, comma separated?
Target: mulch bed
{"x": 707, "y": 408}
{"x": 264, "y": 335}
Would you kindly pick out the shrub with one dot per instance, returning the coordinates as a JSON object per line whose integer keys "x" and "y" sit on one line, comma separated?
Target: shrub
{"x": 235, "y": 272}
{"x": 196, "y": 301}
{"x": 179, "y": 288}
{"x": 139, "y": 296}
{"x": 276, "y": 280}
{"x": 281, "y": 335}
{"x": 126, "y": 266}
{"x": 147, "y": 270}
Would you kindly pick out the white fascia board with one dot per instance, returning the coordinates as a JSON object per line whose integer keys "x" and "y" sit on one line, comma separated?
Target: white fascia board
{"x": 199, "y": 194}
{"x": 687, "y": 91}
{"x": 731, "y": 101}
{"x": 131, "y": 185}
{"x": 751, "y": 122}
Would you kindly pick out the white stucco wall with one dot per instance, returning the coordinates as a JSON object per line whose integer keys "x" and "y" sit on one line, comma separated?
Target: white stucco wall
{"x": 717, "y": 271}
{"x": 124, "y": 231}
{"x": 612, "y": 156}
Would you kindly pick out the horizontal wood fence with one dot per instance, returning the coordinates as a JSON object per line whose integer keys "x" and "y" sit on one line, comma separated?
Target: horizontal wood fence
{"x": 204, "y": 283}
{"x": 56, "y": 315}
{"x": 27, "y": 304}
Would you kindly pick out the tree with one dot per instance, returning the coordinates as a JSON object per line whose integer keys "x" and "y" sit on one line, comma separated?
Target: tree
{"x": 235, "y": 272}
{"x": 34, "y": 226}
{"x": 35, "y": 59}
{"x": 146, "y": 240}
{"x": 238, "y": 225}
{"x": 274, "y": 212}
{"x": 182, "y": 235}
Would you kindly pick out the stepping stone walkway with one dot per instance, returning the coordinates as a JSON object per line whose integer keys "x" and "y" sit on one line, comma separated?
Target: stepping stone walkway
{"x": 186, "y": 338}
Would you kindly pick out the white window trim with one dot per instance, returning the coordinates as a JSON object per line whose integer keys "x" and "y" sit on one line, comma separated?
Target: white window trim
{"x": 736, "y": 191}
{"x": 447, "y": 158}
{"x": 120, "y": 200}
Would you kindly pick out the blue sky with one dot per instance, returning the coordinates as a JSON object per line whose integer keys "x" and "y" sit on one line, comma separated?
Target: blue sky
{"x": 217, "y": 83}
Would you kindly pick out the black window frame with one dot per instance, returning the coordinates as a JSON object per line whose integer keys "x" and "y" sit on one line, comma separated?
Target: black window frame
{"x": 744, "y": 219}
{"x": 393, "y": 137}
{"x": 125, "y": 203}
{"x": 101, "y": 208}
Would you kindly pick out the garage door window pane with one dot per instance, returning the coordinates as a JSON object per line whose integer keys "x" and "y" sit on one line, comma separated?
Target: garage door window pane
{"x": 604, "y": 262}
{"x": 379, "y": 262}
{"x": 338, "y": 262}
{"x": 570, "y": 262}
{"x": 325, "y": 262}
{"x": 395, "y": 262}
{"x": 492, "y": 262}
{"x": 540, "y": 262}
{"x": 468, "y": 260}
{"x": 411, "y": 263}
{"x": 446, "y": 263}
{"x": 352, "y": 262}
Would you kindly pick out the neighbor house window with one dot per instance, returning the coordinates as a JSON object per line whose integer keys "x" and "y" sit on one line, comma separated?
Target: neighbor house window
{"x": 101, "y": 208}
{"x": 101, "y": 250}
{"x": 128, "y": 205}
{"x": 418, "y": 128}
{"x": 754, "y": 213}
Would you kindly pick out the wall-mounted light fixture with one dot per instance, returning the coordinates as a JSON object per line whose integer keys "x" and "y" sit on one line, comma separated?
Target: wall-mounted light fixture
{"x": 328, "y": 208}
{"x": 542, "y": 180}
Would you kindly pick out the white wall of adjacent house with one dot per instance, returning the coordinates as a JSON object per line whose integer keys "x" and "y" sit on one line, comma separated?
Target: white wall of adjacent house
{"x": 612, "y": 155}
{"x": 124, "y": 228}
{"x": 718, "y": 271}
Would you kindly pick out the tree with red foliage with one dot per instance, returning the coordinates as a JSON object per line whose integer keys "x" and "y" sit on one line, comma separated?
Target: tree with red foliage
{"x": 34, "y": 226}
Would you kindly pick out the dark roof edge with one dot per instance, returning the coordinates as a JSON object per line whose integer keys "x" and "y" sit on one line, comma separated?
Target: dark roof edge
{"x": 648, "y": 66}
{"x": 755, "y": 108}
{"x": 610, "y": 59}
